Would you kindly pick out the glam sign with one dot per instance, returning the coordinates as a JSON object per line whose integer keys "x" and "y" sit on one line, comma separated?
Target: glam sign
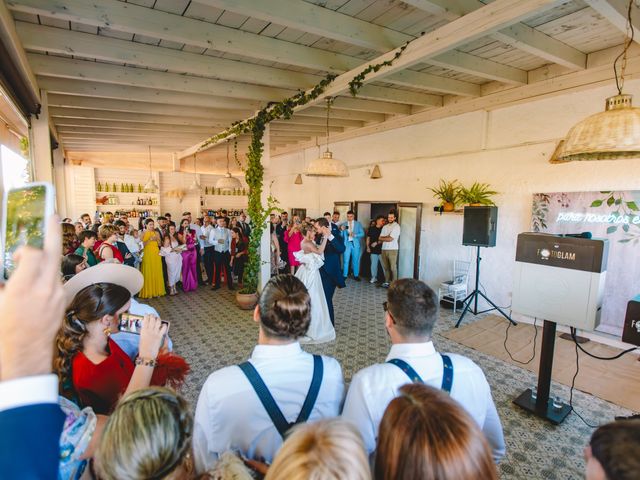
{"x": 613, "y": 215}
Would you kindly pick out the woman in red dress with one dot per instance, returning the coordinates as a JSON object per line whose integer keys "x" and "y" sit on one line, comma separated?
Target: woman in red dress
{"x": 91, "y": 367}
{"x": 107, "y": 249}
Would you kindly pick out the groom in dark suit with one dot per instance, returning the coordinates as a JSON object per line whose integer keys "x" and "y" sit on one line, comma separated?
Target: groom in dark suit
{"x": 331, "y": 271}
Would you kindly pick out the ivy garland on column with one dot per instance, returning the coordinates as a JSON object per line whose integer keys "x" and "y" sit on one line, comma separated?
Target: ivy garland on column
{"x": 254, "y": 172}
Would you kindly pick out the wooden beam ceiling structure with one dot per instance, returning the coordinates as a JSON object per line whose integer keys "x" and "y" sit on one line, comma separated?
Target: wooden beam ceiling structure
{"x": 176, "y": 72}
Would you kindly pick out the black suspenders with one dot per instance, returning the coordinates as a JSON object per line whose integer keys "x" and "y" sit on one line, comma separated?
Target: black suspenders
{"x": 447, "y": 375}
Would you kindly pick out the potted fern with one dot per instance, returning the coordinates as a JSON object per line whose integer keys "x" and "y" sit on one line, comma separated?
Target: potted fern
{"x": 448, "y": 193}
{"x": 478, "y": 194}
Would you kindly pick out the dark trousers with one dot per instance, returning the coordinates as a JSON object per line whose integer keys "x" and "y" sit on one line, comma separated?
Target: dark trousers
{"x": 207, "y": 258}
{"x": 222, "y": 260}
{"x": 329, "y": 288}
{"x": 238, "y": 267}
{"x": 198, "y": 269}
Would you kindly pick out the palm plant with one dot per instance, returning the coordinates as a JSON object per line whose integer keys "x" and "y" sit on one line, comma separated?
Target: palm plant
{"x": 478, "y": 193}
{"x": 448, "y": 193}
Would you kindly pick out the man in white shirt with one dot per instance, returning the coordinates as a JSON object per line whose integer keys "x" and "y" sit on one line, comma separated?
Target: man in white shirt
{"x": 230, "y": 415}
{"x": 207, "y": 257}
{"x": 389, "y": 239}
{"x": 411, "y": 312}
{"x": 220, "y": 238}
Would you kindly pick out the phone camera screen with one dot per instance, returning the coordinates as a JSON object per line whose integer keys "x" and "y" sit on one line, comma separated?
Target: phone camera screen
{"x": 25, "y": 222}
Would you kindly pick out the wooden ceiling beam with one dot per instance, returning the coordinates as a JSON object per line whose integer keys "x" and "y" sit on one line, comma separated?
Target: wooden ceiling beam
{"x": 120, "y": 125}
{"x": 313, "y": 121}
{"x": 518, "y": 35}
{"x": 129, "y": 120}
{"x": 113, "y": 132}
{"x": 616, "y": 12}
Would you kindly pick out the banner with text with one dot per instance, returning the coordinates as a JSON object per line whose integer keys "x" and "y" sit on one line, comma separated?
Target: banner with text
{"x": 614, "y": 215}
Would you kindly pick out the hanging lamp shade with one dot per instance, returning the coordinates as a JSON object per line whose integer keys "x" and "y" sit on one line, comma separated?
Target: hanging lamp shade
{"x": 375, "y": 173}
{"x": 610, "y": 135}
{"x": 298, "y": 180}
{"x": 228, "y": 183}
{"x": 195, "y": 186}
{"x": 150, "y": 186}
{"x": 327, "y": 166}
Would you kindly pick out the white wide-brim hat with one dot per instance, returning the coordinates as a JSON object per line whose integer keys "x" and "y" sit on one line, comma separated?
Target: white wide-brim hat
{"x": 116, "y": 273}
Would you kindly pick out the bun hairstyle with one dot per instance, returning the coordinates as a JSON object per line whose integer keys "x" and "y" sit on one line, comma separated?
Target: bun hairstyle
{"x": 285, "y": 307}
{"x": 306, "y": 228}
{"x": 149, "y": 435}
{"x": 89, "y": 305}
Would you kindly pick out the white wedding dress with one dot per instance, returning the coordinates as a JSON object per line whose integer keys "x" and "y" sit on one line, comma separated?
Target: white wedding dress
{"x": 320, "y": 328}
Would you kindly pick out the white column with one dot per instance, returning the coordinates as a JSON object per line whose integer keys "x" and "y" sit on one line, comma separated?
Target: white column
{"x": 60, "y": 182}
{"x": 41, "y": 143}
{"x": 265, "y": 244}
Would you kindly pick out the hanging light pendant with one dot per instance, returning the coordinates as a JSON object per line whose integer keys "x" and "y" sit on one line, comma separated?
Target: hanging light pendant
{"x": 150, "y": 186}
{"x": 326, "y": 165}
{"x": 195, "y": 186}
{"x": 228, "y": 183}
{"x": 610, "y": 135}
{"x": 298, "y": 180}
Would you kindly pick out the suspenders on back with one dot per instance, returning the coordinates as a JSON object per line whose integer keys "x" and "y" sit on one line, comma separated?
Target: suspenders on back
{"x": 447, "y": 375}
{"x": 269, "y": 403}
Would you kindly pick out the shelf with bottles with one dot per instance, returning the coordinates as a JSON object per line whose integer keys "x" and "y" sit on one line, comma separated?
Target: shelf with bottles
{"x": 133, "y": 213}
{"x": 129, "y": 206}
{"x": 114, "y": 187}
{"x": 231, "y": 212}
{"x": 216, "y": 192}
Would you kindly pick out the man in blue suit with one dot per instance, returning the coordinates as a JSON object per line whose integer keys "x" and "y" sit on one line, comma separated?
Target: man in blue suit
{"x": 331, "y": 273}
{"x": 31, "y": 309}
{"x": 352, "y": 232}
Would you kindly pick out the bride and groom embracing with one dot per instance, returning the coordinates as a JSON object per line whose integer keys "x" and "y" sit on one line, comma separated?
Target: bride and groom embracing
{"x": 321, "y": 273}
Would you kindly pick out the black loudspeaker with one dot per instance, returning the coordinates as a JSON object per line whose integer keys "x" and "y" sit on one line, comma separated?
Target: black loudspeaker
{"x": 480, "y": 226}
{"x": 631, "y": 331}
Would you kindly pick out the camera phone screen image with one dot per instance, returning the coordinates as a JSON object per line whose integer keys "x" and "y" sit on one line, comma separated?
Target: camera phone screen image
{"x": 25, "y": 222}
{"x": 130, "y": 323}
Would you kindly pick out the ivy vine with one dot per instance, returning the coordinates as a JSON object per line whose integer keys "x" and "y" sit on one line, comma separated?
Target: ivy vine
{"x": 254, "y": 171}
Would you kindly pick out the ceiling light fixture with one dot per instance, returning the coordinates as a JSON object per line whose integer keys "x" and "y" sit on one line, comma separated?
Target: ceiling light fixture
{"x": 195, "y": 186}
{"x": 610, "y": 135}
{"x": 150, "y": 186}
{"x": 228, "y": 183}
{"x": 326, "y": 165}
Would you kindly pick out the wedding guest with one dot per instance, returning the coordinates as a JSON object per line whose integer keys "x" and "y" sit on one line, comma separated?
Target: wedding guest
{"x": 90, "y": 365}
{"x": 85, "y": 219}
{"x": 148, "y": 436}
{"x": 275, "y": 250}
{"x": 199, "y": 245}
{"x": 335, "y": 218}
{"x": 72, "y": 264}
{"x": 614, "y": 451}
{"x": 187, "y": 238}
{"x": 374, "y": 246}
{"x": 232, "y": 408}
{"x": 293, "y": 238}
{"x": 134, "y": 244}
{"x": 208, "y": 247}
{"x": 79, "y": 227}
{"x": 425, "y": 433}
{"x": 239, "y": 252}
{"x": 324, "y": 450}
{"x": 168, "y": 217}
{"x": 121, "y": 243}
{"x": 220, "y": 237}
{"x": 107, "y": 249}
{"x": 244, "y": 225}
{"x": 87, "y": 240}
{"x": 69, "y": 239}
{"x": 389, "y": 238}
{"x": 233, "y": 223}
{"x": 173, "y": 256}
{"x": 151, "y": 265}
{"x": 31, "y": 420}
{"x": 162, "y": 227}
{"x": 352, "y": 232}
{"x": 411, "y": 311}
{"x": 281, "y": 228}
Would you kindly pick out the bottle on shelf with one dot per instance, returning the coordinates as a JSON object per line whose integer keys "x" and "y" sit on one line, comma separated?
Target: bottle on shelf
{"x": 106, "y": 187}
{"x": 99, "y": 187}
{"x": 115, "y": 187}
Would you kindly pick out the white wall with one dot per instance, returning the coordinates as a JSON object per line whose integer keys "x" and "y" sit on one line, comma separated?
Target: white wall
{"x": 508, "y": 148}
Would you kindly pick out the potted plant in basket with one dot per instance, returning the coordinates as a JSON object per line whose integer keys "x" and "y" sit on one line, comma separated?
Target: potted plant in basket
{"x": 478, "y": 194}
{"x": 448, "y": 193}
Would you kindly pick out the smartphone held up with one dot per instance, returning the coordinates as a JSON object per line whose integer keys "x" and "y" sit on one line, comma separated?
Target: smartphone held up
{"x": 131, "y": 323}
{"x": 26, "y": 211}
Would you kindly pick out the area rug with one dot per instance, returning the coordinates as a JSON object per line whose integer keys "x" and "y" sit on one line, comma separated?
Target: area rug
{"x": 617, "y": 381}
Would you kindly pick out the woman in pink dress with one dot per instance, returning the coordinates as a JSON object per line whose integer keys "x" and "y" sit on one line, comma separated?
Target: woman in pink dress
{"x": 189, "y": 256}
{"x": 293, "y": 238}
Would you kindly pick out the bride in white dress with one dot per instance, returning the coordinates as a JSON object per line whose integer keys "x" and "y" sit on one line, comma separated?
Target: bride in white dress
{"x": 311, "y": 258}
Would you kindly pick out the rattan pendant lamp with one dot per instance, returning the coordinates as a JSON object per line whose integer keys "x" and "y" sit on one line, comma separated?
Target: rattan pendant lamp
{"x": 195, "y": 186}
{"x": 228, "y": 183}
{"x": 150, "y": 186}
{"x": 326, "y": 165}
{"x": 610, "y": 135}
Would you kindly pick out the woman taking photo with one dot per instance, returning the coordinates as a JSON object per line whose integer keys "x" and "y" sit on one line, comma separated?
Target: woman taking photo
{"x": 189, "y": 256}
{"x": 91, "y": 367}
{"x": 151, "y": 266}
{"x": 107, "y": 250}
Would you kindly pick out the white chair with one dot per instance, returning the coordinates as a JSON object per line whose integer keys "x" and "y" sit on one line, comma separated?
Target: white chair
{"x": 455, "y": 290}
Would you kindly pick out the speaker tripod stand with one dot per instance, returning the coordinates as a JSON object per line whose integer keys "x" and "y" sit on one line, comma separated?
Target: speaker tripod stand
{"x": 473, "y": 297}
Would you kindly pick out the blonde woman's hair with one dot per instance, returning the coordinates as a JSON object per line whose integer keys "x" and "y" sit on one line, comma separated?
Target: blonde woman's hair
{"x": 105, "y": 231}
{"x": 148, "y": 436}
{"x": 324, "y": 450}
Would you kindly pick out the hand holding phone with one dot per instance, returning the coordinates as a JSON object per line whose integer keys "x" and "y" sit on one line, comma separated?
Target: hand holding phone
{"x": 152, "y": 335}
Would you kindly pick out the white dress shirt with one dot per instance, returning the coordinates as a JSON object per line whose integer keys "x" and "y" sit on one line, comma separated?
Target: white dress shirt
{"x": 230, "y": 416}
{"x": 25, "y": 391}
{"x": 206, "y": 231}
{"x": 198, "y": 230}
{"x": 391, "y": 230}
{"x": 220, "y": 233}
{"x": 373, "y": 388}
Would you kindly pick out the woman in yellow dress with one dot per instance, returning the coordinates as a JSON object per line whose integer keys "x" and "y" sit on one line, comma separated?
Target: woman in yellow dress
{"x": 151, "y": 263}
